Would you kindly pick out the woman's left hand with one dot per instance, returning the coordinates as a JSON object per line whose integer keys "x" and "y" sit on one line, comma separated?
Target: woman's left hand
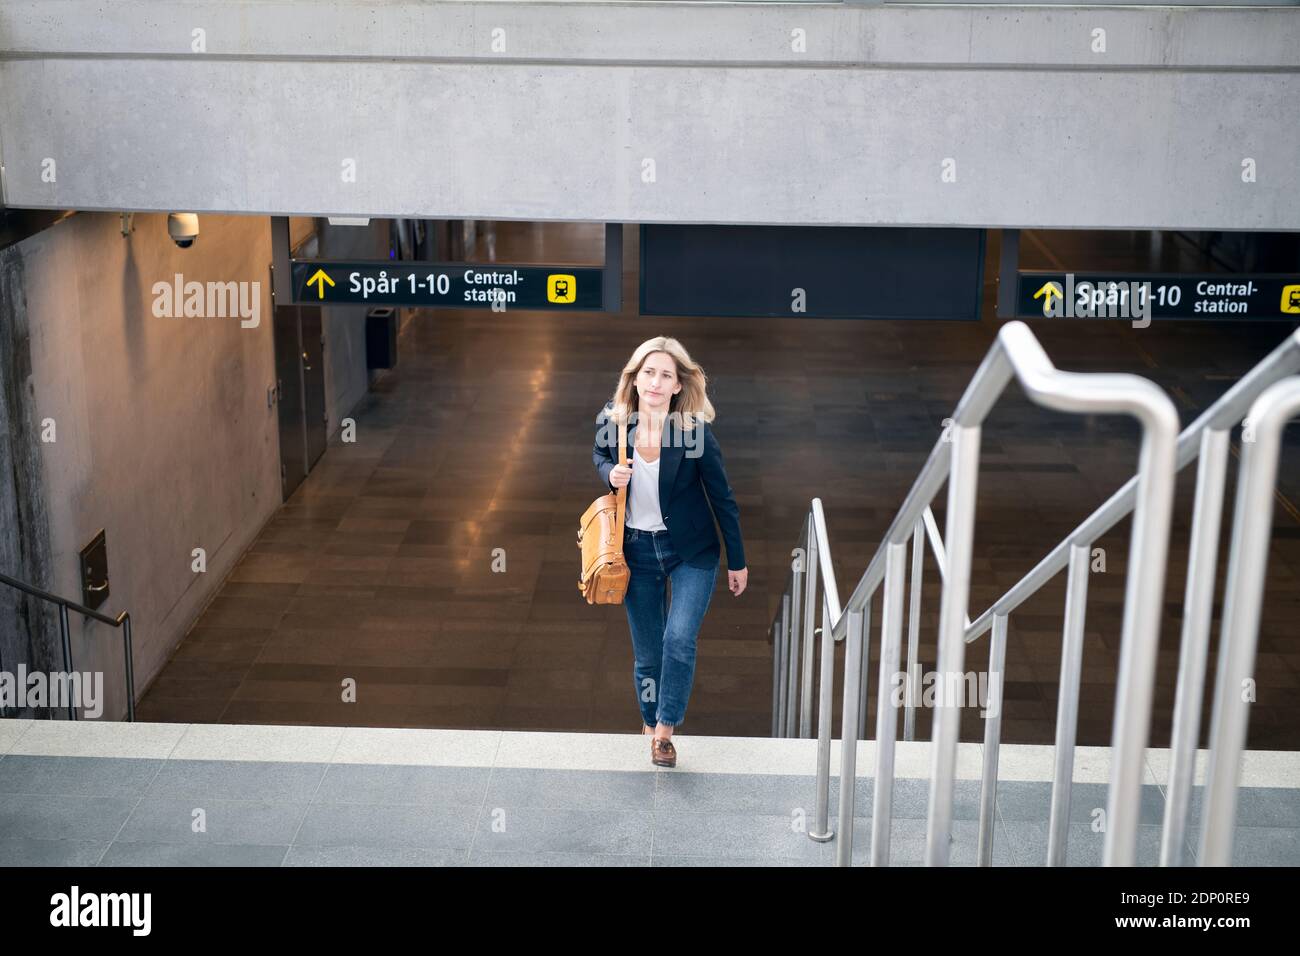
{"x": 736, "y": 580}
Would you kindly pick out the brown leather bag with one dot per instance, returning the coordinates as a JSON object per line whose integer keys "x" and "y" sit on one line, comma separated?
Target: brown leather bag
{"x": 600, "y": 539}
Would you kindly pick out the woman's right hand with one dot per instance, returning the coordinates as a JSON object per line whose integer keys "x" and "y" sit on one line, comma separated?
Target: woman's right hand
{"x": 620, "y": 475}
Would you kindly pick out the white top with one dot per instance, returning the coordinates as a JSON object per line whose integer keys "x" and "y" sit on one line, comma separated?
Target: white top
{"x": 643, "y": 494}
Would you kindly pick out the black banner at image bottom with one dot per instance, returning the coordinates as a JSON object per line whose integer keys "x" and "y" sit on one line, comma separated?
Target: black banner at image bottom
{"x": 213, "y": 905}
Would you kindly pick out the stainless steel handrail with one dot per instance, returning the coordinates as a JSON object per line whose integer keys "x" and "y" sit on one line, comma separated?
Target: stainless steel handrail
{"x": 813, "y": 554}
{"x": 64, "y": 605}
{"x": 1207, "y": 438}
{"x": 955, "y": 456}
{"x": 1016, "y": 353}
{"x": 1222, "y": 415}
{"x": 786, "y": 641}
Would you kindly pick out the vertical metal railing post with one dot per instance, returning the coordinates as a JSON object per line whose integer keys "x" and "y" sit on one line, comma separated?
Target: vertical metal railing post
{"x": 891, "y": 638}
{"x": 855, "y": 640}
{"x": 992, "y": 739}
{"x": 776, "y": 678}
{"x": 1252, "y": 523}
{"x": 821, "y": 831}
{"x": 1198, "y": 601}
{"x": 65, "y": 631}
{"x": 866, "y": 670}
{"x": 796, "y": 632}
{"x": 788, "y": 621}
{"x": 809, "y": 625}
{"x": 959, "y": 539}
{"x": 1144, "y": 588}
{"x": 786, "y": 664}
{"x": 1067, "y": 702}
{"x": 914, "y": 632}
{"x": 130, "y": 668}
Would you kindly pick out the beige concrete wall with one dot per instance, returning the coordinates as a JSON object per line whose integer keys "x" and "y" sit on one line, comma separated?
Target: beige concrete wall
{"x": 163, "y": 433}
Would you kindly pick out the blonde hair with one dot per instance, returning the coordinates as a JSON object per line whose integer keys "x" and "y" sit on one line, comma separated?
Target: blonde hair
{"x": 691, "y": 404}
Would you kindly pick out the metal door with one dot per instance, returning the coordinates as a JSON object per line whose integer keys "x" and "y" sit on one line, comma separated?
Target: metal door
{"x": 313, "y": 381}
{"x": 289, "y": 392}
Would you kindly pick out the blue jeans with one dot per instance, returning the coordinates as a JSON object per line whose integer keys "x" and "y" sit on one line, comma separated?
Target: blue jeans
{"x": 663, "y": 635}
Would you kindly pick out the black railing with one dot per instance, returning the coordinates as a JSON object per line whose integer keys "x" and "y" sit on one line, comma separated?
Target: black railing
{"x": 122, "y": 621}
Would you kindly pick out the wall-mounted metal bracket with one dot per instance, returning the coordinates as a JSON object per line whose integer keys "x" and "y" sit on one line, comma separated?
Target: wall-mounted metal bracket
{"x": 94, "y": 571}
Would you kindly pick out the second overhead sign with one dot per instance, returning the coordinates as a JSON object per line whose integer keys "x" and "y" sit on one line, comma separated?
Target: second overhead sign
{"x": 1212, "y": 296}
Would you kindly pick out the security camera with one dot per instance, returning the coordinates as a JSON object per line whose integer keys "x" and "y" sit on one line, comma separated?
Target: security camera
{"x": 183, "y": 227}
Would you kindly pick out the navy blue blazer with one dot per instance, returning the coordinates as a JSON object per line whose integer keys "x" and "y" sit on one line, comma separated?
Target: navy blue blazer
{"x": 691, "y": 478}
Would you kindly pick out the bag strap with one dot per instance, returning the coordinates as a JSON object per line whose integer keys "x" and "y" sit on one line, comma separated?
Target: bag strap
{"x": 622, "y": 492}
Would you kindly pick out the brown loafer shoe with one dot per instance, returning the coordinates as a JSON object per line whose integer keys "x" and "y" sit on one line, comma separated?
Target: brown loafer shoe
{"x": 662, "y": 752}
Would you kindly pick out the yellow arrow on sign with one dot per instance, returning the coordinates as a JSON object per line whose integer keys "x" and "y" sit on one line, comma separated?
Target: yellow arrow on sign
{"x": 320, "y": 278}
{"x": 1049, "y": 289}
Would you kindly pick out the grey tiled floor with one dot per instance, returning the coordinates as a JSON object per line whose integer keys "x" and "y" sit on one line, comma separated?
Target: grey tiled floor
{"x": 86, "y": 811}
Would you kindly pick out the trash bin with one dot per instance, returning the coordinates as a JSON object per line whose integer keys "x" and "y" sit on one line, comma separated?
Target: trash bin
{"x": 381, "y": 337}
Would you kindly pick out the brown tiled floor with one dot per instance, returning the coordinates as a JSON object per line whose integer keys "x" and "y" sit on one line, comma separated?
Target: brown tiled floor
{"x": 379, "y": 569}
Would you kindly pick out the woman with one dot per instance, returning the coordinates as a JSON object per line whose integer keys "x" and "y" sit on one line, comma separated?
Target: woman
{"x": 674, "y": 473}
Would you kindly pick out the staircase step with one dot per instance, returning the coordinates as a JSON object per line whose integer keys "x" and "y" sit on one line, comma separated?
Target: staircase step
{"x": 119, "y": 793}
